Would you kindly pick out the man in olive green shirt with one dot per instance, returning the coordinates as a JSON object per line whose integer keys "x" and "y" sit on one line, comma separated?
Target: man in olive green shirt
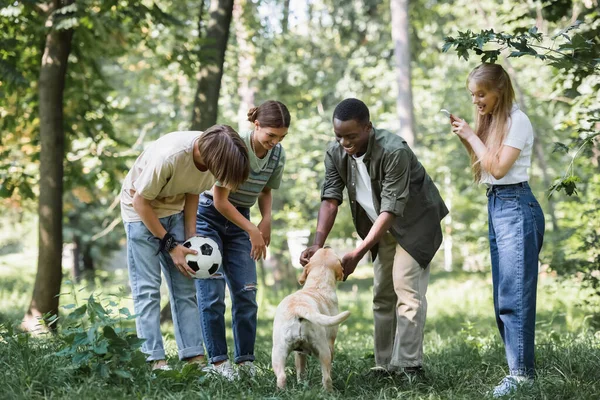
{"x": 397, "y": 210}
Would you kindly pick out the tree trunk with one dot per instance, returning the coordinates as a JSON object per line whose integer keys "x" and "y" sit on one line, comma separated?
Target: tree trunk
{"x": 89, "y": 268}
{"x": 246, "y": 57}
{"x": 212, "y": 57}
{"x": 76, "y": 268}
{"x": 400, "y": 37}
{"x": 286, "y": 16}
{"x": 51, "y": 85}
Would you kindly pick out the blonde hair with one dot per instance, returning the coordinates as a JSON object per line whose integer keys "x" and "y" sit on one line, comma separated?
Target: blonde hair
{"x": 491, "y": 128}
{"x": 225, "y": 155}
{"x": 271, "y": 113}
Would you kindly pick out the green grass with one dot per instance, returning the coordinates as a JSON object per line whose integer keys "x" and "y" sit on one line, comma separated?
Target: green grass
{"x": 464, "y": 357}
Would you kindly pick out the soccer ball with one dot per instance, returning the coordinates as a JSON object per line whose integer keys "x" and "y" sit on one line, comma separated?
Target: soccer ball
{"x": 208, "y": 259}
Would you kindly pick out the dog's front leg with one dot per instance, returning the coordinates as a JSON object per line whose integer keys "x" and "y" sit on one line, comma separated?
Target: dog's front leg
{"x": 300, "y": 361}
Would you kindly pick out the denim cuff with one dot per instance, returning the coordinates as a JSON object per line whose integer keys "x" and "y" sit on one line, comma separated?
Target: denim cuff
{"x": 191, "y": 352}
{"x": 155, "y": 355}
{"x": 399, "y": 364}
{"x": 247, "y": 357}
{"x": 217, "y": 359}
{"x": 522, "y": 372}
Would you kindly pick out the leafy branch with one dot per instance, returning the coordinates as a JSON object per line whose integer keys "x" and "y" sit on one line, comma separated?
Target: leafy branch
{"x": 575, "y": 49}
{"x": 569, "y": 180}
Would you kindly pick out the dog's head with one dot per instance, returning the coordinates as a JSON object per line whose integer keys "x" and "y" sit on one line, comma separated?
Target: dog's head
{"x": 323, "y": 257}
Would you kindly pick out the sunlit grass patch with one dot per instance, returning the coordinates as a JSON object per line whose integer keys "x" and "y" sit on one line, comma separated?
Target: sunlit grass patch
{"x": 464, "y": 357}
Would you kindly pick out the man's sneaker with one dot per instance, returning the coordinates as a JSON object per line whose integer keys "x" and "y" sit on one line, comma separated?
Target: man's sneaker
{"x": 247, "y": 368}
{"x": 380, "y": 370}
{"x": 510, "y": 383}
{"x": 224, "y": 369}
{"x": 412, "y": 371}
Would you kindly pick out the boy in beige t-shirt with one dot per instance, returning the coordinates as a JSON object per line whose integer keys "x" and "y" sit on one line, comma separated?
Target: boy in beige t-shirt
{"x": 159, "y": 199}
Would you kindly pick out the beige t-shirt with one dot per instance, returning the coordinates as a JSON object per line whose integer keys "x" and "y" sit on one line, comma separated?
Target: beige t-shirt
{"x": 164, "y": 173}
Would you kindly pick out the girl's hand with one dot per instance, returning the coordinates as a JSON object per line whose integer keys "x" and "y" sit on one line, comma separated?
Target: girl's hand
{"x": 259, "y": 249}
{"x": 265, "y": 229}
{"x": 461, "y": 128}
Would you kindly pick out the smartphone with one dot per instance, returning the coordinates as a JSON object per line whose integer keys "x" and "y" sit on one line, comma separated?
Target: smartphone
{"x": 448, "y": 113}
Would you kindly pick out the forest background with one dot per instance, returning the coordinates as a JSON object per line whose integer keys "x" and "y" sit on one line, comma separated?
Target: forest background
{"x": 85, "y": 85}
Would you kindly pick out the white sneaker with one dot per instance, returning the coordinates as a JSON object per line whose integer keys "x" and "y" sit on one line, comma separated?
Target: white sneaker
{"x": 224, "y": 369}
{"x": 510, "y": 383}
{"x": 247, "y": 368}
{"x": 161, "y": 366}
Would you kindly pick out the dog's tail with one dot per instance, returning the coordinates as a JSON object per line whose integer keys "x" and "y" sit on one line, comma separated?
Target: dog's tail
{"x": 324, "y": 320}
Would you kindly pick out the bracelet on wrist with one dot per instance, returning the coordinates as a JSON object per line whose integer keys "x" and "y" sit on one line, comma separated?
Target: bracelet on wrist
{"x": 167, "y": 243}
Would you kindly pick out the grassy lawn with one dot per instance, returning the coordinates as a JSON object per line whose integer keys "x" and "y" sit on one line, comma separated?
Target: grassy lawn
{"x": 464, "y": 357}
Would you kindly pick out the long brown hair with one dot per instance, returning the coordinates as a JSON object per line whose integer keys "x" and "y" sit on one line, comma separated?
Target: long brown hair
{"x": 271, "y": 113}
{"x": 225, "y": 155}
{"x": 491, "y": 128}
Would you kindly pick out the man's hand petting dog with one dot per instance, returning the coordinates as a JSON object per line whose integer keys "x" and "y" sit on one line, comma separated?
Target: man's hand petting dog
{"x": 349, "y": 263}
{"x": 308, "y": 253}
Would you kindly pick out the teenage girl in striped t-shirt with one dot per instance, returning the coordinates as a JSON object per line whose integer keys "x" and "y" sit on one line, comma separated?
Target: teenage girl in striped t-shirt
{"x": 224, "y": 216}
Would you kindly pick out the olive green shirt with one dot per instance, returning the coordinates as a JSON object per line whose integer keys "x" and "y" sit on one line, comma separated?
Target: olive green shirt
{"x": 400, "y": 185}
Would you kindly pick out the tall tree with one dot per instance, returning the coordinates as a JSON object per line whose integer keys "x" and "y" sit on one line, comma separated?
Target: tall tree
{"x": 212, "y": 57}
{"x": 246, "y": 59}
{"x": 52, "y": 138}
{"x": 400, "y": 37}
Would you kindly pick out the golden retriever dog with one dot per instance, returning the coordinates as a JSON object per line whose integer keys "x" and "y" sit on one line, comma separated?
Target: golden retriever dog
{"x": 307, "y": 321}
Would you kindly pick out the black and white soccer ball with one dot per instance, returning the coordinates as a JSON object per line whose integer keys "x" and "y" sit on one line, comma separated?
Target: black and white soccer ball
{"x": 207, "y": 261}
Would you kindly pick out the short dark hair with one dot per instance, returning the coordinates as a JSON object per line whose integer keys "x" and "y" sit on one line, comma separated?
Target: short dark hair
{"x": 352, "y": 109}
{"x": 271, "y": 114}
{"x": 225, "y": 155}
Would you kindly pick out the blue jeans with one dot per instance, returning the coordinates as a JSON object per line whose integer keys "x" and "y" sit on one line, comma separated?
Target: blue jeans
{"x": 144, "y": 276}
{"x": 238, "y": 271}
{"x": 516, "y": 233}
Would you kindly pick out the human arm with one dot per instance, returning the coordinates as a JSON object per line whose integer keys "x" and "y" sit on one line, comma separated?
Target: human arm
{"x": 496, "y": 165}
{"x": 381, "y": 225}
{"x": 143, "y": 208}
{"x": 325, "y": 221}
{"x": 190, "y": 209}
{"x": 224, "y": 206}
{"x": 265, "y": 202}
{"x": 331, "y": 197}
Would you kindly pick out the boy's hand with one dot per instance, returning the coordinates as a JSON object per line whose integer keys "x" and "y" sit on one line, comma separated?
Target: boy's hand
{"x": 178, "y": 255}
{"x": 259, "y": 248}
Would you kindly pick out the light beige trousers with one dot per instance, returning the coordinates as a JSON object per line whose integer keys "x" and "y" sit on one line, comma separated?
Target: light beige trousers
{"x": 399, "y": 306}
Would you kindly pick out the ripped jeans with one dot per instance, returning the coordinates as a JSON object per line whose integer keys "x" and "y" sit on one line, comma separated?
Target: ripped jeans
{"x": 238, "y": 271}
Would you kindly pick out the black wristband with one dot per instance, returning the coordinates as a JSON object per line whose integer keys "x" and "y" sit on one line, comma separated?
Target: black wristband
{"x": 167, "y": 243}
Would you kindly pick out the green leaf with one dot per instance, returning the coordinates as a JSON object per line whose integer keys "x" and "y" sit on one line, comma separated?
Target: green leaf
{"x": 123, "y": 374}
{"x": 102, "y": 370}
{"x": 560, "y": 147}
{"x": 77, "y": 313}
{"x": 110, "y": 333}
{"x": 101, "y": 348}
{"x": 447, "y": 45}
{"x": 82, "y": 358}
{"x": 81, "y": 339}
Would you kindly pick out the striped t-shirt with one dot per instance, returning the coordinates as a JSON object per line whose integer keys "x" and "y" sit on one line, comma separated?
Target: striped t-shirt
{"x": 264, "y": 172}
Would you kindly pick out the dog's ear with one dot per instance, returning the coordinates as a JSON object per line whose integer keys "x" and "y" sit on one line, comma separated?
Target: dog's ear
{"x": 304, "y": 275}
{"x": 339, "y": 272}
